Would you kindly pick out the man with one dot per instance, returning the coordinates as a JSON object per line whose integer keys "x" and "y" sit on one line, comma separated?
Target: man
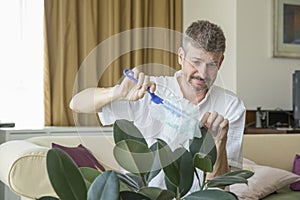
{"x": 220, "y": 111}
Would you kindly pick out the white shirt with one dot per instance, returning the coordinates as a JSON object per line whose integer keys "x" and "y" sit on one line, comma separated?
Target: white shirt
{"x": 147, "y": 115}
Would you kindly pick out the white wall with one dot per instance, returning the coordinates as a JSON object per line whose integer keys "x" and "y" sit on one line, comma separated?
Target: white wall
{"x": 249, "y": 68}
{"x": 262, "y": 79}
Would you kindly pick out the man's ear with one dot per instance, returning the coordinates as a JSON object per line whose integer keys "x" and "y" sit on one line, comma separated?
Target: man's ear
{"x": 180, "y": 55}
{"x": 221, "y": 61}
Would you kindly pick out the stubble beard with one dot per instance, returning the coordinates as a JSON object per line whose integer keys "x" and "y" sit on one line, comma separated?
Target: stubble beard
{"x": 187, "y": 81}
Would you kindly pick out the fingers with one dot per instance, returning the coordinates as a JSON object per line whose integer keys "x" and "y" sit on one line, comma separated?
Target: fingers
{"x": 145, "y": 83}
{"x": 214, "y": 122}
{"x": 140, "y": 89}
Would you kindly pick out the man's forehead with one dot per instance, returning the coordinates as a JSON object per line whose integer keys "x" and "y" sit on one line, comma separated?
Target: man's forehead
{"x": 201, "y": 54}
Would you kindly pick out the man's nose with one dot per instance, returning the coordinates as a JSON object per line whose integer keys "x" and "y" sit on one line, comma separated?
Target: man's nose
{"x": 202, "y": 69}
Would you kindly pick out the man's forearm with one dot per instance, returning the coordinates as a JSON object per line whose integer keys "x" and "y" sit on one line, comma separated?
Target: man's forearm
{"x": 92, "y": 100}
{"x": 221, "y": 165}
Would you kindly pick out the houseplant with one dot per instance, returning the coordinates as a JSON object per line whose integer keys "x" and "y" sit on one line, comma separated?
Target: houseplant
{"x": 143, "y": 163}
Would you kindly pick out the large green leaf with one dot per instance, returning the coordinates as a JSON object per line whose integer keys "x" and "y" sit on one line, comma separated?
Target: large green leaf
{"x": 156, "y": 167}
{"x": 129, "y": 195}
{"x": 204, "y": 145}
{"x": 133, "y": 156}
{"x": 186, "y": 170}
{"x": 64, "y": 176}
{"x": 242, "y": 173}
{"x": 124, "y": 129}
{"x": 48, "y": 198}
{"x": 170, "y": 186}
{"x": 168, "y": 163}
{"x": 155, "y": 193}
{"x": 106, "y": 186}
{"x": 203, "y": 162}
{"x": 220, "y": 181}
{"x": 210, "y": 194}
{"x": 89, "y": 175}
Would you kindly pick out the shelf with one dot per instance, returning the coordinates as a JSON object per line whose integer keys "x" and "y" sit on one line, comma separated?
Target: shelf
{"x": 271, "y": 131}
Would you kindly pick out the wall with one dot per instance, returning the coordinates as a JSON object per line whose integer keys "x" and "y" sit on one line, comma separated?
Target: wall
{"x": 262, "y": 80}
{"x": 249, "y": 70}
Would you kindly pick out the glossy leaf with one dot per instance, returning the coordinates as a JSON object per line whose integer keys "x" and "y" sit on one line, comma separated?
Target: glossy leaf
{"x": 211, "y": 194}
{"x": 89, "y": 175}
{"x": 48, "y": 198}
{"x": 186, "y": 170}
{"x": 64, "y": 176}
{"x": 106, "y": 186}
{"x": 125, "y": 187}
{"x": 204, "y": 145}
{"x": 225, "y": 181}
{"x": 168, "y": 163}
{"x": 203, "y": 162}
{"x": 155, "y": 193}
{"x": 242, "y": 173}
{"x": 124, "y": 129}
{"x": 129, "y": 195}
{"x": 170, "y": 186}
{"x": 156, "y": 167}
{"x": 133, "y": 156}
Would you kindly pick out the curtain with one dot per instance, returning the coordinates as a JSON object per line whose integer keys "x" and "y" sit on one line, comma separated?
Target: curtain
{"x": 88, "y": 43}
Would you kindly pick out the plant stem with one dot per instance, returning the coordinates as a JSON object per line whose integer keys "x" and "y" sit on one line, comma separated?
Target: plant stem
{"x": 143, "y": 180}
{"x": 177, "y": 194}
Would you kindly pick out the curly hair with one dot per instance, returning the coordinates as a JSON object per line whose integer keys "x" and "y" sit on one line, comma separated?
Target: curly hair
{"x": 206, "y": 35}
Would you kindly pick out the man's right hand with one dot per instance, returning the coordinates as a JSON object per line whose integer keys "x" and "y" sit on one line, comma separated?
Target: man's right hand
{"x": 132, "y": 91}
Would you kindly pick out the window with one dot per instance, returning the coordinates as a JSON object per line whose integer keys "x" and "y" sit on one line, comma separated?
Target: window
{"x": 21, "y": 68}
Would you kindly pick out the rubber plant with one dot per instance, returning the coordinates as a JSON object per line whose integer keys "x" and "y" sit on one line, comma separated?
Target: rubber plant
{"x": 143, "y": 163}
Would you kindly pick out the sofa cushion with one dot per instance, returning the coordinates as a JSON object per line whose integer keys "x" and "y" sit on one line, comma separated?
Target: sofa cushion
{"x": 265, "y": 181}
{"x": 81, "y": 156}
{"x": 296, "y": 169}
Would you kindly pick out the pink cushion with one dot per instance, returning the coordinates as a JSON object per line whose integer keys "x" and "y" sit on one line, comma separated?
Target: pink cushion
{"x": 296, "y": 169}
{"x": 81, "y": 156}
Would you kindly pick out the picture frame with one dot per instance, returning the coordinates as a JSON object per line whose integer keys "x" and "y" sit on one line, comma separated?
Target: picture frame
{"x": 286, "y": 28}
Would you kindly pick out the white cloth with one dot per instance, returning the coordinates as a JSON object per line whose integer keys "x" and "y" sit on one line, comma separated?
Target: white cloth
{"x": 217, "y": 99}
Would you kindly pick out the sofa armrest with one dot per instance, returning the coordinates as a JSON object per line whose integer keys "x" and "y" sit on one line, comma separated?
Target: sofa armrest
{"x": 23, "y": 169}
{"x": 275, "y": 150}
{"x": 23, "y": 162}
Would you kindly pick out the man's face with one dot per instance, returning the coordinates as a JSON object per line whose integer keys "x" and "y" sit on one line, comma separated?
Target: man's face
{"x": 199, "y": 67}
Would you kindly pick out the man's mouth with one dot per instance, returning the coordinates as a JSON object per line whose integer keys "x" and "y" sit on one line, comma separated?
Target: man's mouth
{"x": 199, "y": 78}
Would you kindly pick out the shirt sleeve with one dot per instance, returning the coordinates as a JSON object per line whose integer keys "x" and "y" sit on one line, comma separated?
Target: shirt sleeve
{"x": 236, "y": 116}
{"x": 114, "y": 111}
{"x": 129, "y": 110}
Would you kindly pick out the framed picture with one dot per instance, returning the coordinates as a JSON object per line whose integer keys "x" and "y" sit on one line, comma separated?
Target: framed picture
{"x": 287, "y": 28}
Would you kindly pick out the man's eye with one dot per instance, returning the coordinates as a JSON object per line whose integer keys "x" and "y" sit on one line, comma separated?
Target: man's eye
{"x": 212, "y": 65}
{"x": 196, "y": 63}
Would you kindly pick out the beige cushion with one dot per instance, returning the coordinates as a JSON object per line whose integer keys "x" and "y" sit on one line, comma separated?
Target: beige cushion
{"x": 265, "y": 181}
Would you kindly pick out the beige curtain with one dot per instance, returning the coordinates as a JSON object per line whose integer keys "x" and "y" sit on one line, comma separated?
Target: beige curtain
{"x": 90, "y": 42}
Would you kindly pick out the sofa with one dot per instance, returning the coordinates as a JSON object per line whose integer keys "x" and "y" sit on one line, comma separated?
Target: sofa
{"x": 23, "y": 162}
